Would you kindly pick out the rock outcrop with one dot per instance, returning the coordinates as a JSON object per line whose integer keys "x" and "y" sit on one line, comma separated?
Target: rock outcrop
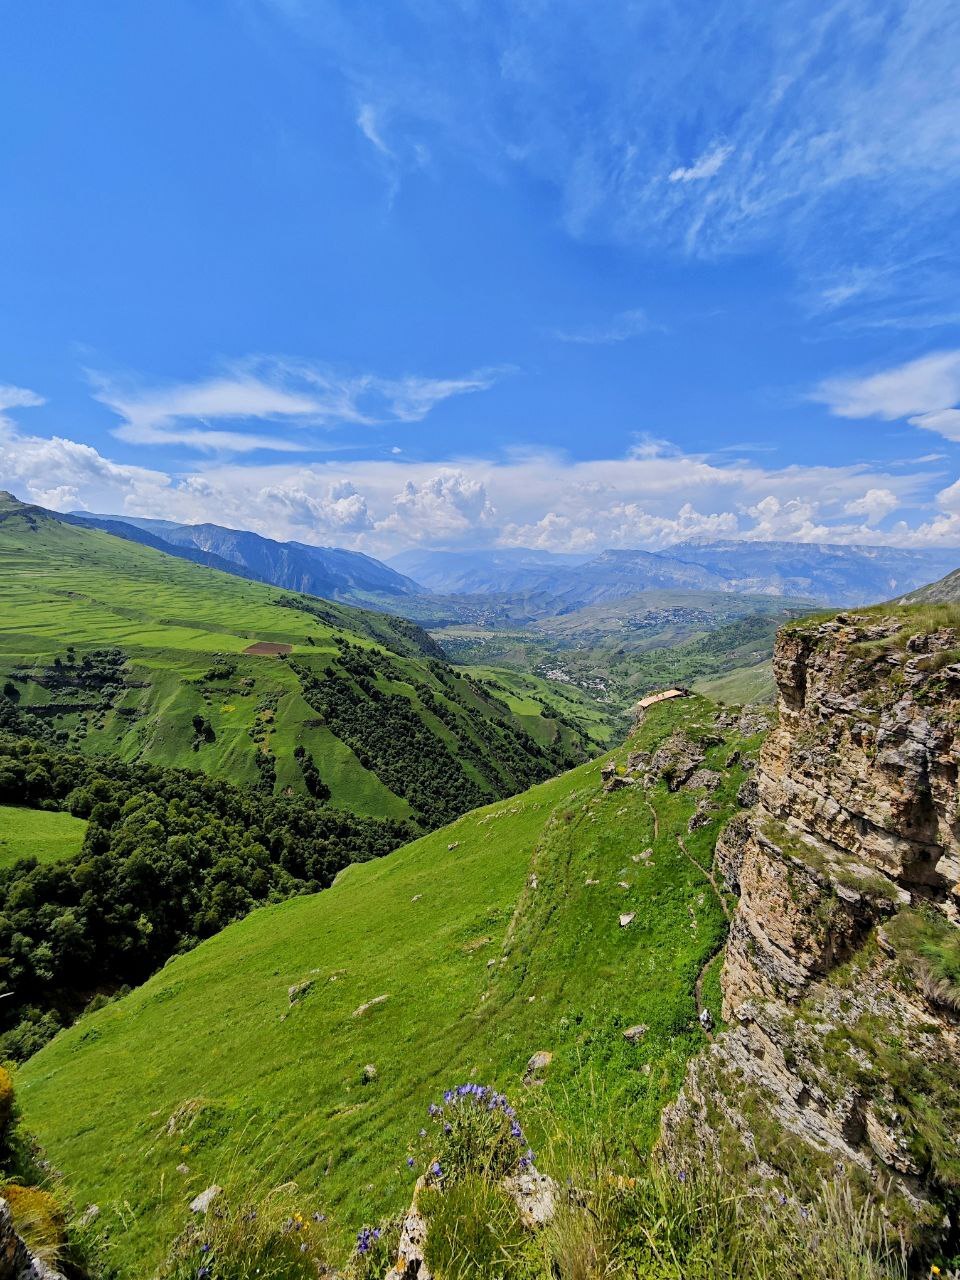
{"x": 840, "y": 980}
{"x": 16, "y": 1260}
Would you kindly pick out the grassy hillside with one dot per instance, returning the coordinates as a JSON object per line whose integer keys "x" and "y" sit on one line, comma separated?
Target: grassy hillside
{"x": 248, "y": 1061}
{"x": 945, "y": 591}
{"x": 120, "y": 648}
{"x": 36, "y": 833}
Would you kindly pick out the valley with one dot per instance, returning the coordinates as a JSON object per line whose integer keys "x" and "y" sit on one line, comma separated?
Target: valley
{"x": 119, "y": 648}
{"x": 279, "y": 875}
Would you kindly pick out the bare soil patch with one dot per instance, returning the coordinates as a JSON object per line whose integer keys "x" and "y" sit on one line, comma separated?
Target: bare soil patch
{"x": 269, "y": 647}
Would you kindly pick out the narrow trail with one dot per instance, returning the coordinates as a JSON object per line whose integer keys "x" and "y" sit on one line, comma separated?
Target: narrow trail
{"x": 698, "y": 985}
{"x": 709, "y": 874}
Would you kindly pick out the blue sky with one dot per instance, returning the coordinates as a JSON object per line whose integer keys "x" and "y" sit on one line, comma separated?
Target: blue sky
{"x": 462, "y": 272}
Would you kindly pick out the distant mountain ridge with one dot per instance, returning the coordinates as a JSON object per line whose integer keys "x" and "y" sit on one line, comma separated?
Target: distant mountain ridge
{"x": 539, "y": 584}
{"x": 822, "y": 573}
{"x": 330, "y": 572}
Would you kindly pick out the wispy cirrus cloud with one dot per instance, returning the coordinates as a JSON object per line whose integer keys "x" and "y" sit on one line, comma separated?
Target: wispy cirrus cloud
{"x": 368, "y": 122}
{"x": 707, "y": 166}
{"x": 284, "y": 393}
{"x": 12, "y": 397}
{"x": 825, "y": 132}
{"x": 624, "y": 325}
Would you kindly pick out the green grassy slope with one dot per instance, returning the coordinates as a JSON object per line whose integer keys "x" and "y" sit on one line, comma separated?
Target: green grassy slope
{"x": 120, "y": 647}
{"x": 35, "y": 833}
{"x": 489, "y": 940}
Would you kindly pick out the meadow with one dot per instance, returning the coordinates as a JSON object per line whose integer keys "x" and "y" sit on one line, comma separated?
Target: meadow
{"x": 37, "y": 833}
{"x": 306, "y": 1041}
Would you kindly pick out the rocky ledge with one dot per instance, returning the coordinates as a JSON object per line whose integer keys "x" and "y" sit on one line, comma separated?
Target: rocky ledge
{"x": 841, "y": 984}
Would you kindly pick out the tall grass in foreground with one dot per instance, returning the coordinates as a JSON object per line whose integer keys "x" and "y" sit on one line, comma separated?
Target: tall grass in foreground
{"x": 619, "y": 1213}
{"x": 625, "y": 1214}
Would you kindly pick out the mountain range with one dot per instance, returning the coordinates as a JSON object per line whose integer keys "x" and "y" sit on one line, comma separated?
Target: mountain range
{"x": 529, "y": 583}
{"x": 823, "y": 573}
{"x": 330, "y": 572}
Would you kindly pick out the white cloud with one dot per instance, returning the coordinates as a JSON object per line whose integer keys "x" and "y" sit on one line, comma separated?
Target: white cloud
{"x": 448, "y": 507}
{"x": 287, "y": 393}
{"x": 828, "y": 135}
{"x": 369, "y": 125}
{"x": 653, "y": 496}
{"x": 707, "y": 166}
{"x": 922, "y": 386}
{"x": 946, "y": 423}
{"x": 624, "y": 325}
{"x": 18, "y": 398}
{"x": 622, "y": 525}
{"x": 874, "y": 505}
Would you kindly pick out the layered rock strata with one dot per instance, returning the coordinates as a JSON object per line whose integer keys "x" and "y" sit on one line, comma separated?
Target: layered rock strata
{"x": 841, "y": 984}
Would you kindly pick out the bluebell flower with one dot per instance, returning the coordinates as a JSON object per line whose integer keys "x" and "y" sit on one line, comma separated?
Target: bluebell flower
{"x": 410, "y": 1161}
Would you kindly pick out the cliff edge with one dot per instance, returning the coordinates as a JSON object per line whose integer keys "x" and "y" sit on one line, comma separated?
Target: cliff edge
{"x": 841, "y": 984}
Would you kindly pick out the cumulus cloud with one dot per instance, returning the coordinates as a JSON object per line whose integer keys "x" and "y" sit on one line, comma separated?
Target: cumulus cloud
{"x": 874, "y": 505}
{"x": 446, "y": 507}
{"x": 340, "y": 509}
{"x": 625, "y": 524}
{"x": 279, "y": 391}
{"x": 655, "y": 495}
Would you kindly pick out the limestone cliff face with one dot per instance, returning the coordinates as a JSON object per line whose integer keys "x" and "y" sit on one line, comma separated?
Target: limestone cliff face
{"x": 841, "y": 982}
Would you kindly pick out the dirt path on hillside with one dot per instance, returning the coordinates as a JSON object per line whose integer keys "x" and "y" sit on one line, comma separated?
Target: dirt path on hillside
{"x": 698, "y": 985}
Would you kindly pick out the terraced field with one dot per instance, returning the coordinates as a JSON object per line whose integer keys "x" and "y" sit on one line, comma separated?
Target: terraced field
{"x": 119, "y": 648}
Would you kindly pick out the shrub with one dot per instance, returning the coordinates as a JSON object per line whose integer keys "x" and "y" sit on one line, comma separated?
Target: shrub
{"x": 38, "y": 1219}
{"x": 271, "y": 1240}
{"x": 6, "y": 1102}
{"x": 475, "y": 1131}
{"x": 474, "y": 1232}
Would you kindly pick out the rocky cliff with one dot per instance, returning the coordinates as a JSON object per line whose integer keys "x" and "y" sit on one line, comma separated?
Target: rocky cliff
{"x": 841, "y": 983}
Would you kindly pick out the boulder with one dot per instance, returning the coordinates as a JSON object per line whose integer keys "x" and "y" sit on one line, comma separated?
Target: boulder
{"x": 538, "y": 1062}
{"x": 535, "y": 1196}
{"x": 202, "y": 1202}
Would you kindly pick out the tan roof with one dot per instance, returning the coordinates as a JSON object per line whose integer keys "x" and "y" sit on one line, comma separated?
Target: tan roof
{"x": 664, "y": 694}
